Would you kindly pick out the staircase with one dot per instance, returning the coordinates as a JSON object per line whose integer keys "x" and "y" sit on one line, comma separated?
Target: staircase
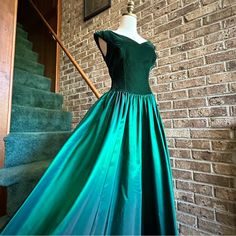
{"x": 39, "y": 126}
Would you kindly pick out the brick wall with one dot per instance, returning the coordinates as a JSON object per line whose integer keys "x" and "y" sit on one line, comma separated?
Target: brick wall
{"x": 194, "y": 83}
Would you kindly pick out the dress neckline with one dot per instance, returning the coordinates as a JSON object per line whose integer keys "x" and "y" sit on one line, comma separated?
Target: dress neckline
{"x": 147, "y": 41}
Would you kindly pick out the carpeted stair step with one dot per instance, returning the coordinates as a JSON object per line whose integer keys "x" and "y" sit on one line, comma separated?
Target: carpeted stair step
{"x": 26, "y": 96}
{"x": 17, "y": 193}
{"x": 25, "y": 78}
{"x": 28, "y": 65}
{"x": 27, "y": 53}
{"x": 20, "y": 32}
{"x": 20, "y": 181}
{"x": 3, "y": 221}
{"x": 22, "y": 148}
{"x": 31, "y": 119}
{"x": 22, "y": 42}
{"x": 16, "y": 174}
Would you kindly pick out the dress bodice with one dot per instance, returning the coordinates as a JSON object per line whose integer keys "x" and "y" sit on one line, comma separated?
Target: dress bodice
{"x": 129, "y": 62}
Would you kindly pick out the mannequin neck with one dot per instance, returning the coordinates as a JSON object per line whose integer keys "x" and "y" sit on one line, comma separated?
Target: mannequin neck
{"x": 128, "y": 25}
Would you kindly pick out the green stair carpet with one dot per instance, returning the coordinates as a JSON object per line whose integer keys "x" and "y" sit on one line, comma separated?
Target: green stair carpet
{"x": 27, "y": 79}
{"x": 25, "y": 147}
{"x": 39, "y": 126}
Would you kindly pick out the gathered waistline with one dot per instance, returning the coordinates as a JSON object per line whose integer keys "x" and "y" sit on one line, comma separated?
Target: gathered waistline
{"x": 131, "y": 93}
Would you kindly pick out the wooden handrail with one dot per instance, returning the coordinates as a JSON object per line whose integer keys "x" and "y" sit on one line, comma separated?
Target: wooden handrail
{"x": 84, "y": 76}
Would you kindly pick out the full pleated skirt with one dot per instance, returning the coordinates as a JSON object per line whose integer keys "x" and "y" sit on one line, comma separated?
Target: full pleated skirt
{"x": 112, "y": 177}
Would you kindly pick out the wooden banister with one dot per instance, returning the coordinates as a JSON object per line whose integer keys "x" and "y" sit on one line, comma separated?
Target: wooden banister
{"x": 84, "y": 76}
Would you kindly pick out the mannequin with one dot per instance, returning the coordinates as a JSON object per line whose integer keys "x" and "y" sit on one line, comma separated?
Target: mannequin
{"x": 127, "y": 27}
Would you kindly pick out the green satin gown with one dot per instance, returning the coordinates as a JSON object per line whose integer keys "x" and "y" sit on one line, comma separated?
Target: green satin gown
{"x": 113, "y": 175}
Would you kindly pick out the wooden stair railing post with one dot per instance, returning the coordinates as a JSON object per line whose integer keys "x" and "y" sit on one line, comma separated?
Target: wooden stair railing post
{"x": 84, "y": 76}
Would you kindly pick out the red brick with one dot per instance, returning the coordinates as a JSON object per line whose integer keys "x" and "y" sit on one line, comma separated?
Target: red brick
{"x": 167, "y": 123}
{"x": 206, "y": 2}
{"x": 202, "y": 31}
{"x": 183, "y": 11}
{"x": 159, "y": 11}
{"x": 168, "y": 26}
{"x": 217, "y": 180}
{"x": 163, "y": 69}
{"x": 208, "y": 90}
{"x": 190, "y": 103}
{"x": 171, "y": 43}
{"x": 201, "y": 11}
{"x": 206, "y": 50}
{"x": 219, "y": 15}
{"x": 221, "y": 78}
{"x": 189, "y": 83}
{"x": 206, "y": 70}
{"x": 180, "y": 153}
{"x": 213, "y": 156}
{"x": 188, "y": 230}
{"x": 172, "y": 95}
{"x": 165, "y": 105}
{"x": 185, "y": 28}
{"x": 184, "y": 65}
{"x": 195, "y": 210}
{"x": 174, "y": 114}
{"x": 226, "y": 218}
{"x": 172, "y": 59}
{"x": 187, "y": 2}
{"x": 192, "y": 165}
{"x": 214, "y": 227}
{"x": 224, "y": 169}
{"x": 195, "y": 144}
{"x": 220, "y": 35}
{"x": 223, "y": 100}
{"x": 215, "y": 203}
{"x": 231, "y": 65}
{"x": 177, "y": 133}
{"x": 208, "y": 112}
{"x": 230, "y": 43}
{"x": 229, "y": 22}
{"x": 184, "y": 196}
{"x": 187, "y": 46}
{"x": 232, "y": 87}
{"x": 194, "y": 187}
{"x": 174, "y": 76}
{"x": 225, "y": 193}
{"x": 220, "y": 56}
{"x": 190, "y": 123}
{"x": 160, "y": 21}
{"x": 223, "y": 122}
{"x": 182, "y": 174}
{"x": 223, "y": 145}
{"x": 186, "y": 219}
{"x": 233, "y": 110}
{"x": 161, "y": 88}
{"x": 210, "y": 134}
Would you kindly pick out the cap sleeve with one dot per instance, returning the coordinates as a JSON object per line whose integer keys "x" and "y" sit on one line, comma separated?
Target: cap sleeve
{"x": 101, "y": 34}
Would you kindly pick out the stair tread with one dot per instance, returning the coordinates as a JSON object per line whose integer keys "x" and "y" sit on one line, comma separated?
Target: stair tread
{"x": 35, "y": 146}
{"x": 38, "y": 133}
{"x": 33, "y": 97}
{"x": 40, "y": 119}
{"x": 3, "y": 221}
{"x": 28, "y": 65}
{"x": 40, "y": 109}
{"x": 17, "y": 57}
{"x": 31, "y": 73}
{"x": 16, "y": 174}
{"x": 41, "y": 91}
